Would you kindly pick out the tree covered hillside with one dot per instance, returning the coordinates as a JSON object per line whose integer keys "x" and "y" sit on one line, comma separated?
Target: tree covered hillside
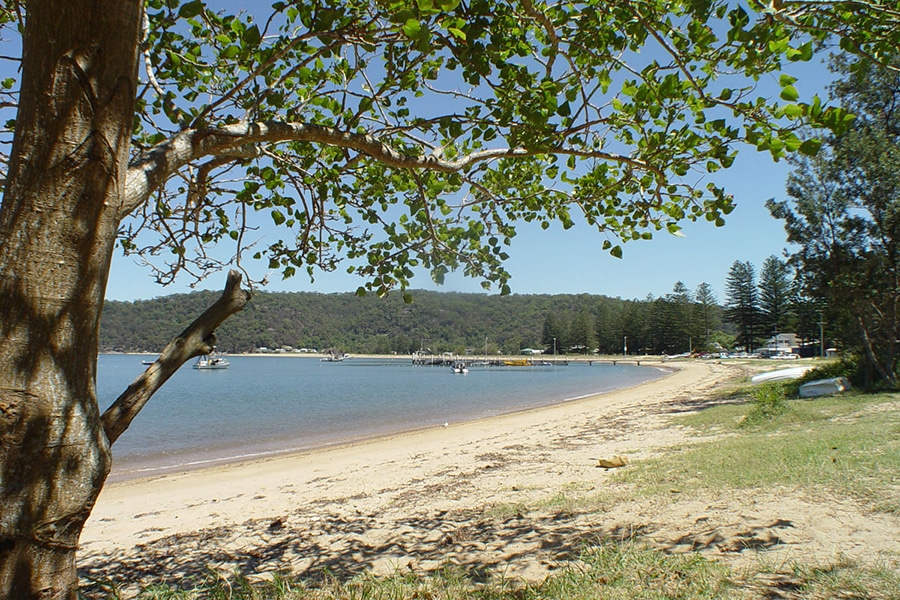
{"x": 434, "y": 320}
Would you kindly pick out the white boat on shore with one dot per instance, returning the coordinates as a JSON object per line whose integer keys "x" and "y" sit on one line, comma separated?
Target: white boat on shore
{"x": 780, "y": 375}
{"x": 210, "y": 362}
{"x": 824, "y": 387}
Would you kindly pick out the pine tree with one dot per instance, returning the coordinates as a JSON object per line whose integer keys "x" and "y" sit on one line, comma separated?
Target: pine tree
{"x": 776, "y": 295}
{"x": 742, "y": 303}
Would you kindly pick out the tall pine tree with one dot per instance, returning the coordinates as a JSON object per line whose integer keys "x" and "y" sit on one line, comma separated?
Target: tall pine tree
{"x": 742, "y": 302}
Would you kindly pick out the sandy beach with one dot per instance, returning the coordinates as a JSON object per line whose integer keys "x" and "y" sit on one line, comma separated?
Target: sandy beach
{"x": 421, "y": 499}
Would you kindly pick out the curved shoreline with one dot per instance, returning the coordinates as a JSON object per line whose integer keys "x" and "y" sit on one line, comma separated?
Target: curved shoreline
{"x": 377, "y": 475}
{"x": 137, "y": 466}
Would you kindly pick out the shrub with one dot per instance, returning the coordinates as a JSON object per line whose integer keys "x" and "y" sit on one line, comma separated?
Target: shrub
{"x": 768, "y": 402}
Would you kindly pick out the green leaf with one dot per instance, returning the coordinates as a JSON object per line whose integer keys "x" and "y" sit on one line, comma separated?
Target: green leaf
{"x": 804, "y": 53}
{"x": 457, "y": 33}
{"x": 810, "y": 147}
{"x": 793, "y": 110}
{"x": 786, "y": 80}
{"x": 190, "y": 9}
{"x": 790, "y": 94}
{"x": 412, "y": 29}
{"x": 252, "y": 36}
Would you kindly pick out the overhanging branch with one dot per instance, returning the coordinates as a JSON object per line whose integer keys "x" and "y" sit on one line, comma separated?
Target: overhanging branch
{"x": 150, "y": 170}
{"x": 198, "y": 338}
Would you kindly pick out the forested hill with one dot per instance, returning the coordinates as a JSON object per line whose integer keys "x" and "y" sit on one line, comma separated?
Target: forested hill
{"x": 438, "y": 321}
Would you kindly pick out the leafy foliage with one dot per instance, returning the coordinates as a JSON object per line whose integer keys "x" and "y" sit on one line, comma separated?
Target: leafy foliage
{"x": 867, "y": 28}
{"x": 769, "y": 401}
{"x": 847, "y": 367}
{"x": 396, "y": 136}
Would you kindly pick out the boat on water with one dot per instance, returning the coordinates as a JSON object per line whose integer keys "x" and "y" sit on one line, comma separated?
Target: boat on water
{"x": 335, "y": 356}
{"x": 460, "y": 367}
{"x": 147, "y": 362}
{"x": 517, "y": 362}
{"x": 211, "y": 362}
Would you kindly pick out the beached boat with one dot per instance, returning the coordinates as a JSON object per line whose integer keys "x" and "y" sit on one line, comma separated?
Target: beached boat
{"x": 211, "y": 362}
{"x": 824, "y": 387}
{"x": 780, "y": 375}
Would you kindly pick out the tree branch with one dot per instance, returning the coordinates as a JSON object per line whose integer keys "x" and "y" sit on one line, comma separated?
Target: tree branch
{"x": 150, "y": 170}
{"x": 198, "y": 338}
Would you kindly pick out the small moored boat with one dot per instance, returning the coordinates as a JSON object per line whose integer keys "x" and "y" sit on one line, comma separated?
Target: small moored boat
{"x": 335, "y": 356}
{"x": 211, "y": 362}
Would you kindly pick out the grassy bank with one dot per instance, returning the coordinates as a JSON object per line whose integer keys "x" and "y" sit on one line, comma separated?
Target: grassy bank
{"x": 749, "y": 441}
{"x": 843, "y": 445}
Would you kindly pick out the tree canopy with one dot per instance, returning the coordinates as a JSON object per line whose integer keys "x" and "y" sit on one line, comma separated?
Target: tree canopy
{"x": 869, "y": 29}
{"x": 842, "y": 213}
{"x": 404, "y": 135}
{"x": 742, "y": 302}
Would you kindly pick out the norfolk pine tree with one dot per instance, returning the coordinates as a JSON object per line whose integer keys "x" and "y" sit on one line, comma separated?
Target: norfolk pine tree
{"x": 707, "y": 311}
{"x": 776, "y": 295}
{"x": 394, "y": 135}
{"x": 742, "y": 302}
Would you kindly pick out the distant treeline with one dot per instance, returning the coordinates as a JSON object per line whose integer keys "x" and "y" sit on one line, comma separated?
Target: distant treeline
{"x": 436, "y": 321}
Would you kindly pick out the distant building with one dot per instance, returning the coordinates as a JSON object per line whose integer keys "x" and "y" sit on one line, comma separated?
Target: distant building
{"x": 782, "y": 343}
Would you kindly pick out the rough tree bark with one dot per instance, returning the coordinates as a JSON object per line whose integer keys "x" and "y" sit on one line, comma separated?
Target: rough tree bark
{"x": 58, "y": 222}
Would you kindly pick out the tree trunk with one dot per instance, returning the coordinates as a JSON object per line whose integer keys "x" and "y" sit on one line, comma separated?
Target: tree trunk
{"x": 885, "y": 372}
{"x": 58, "y": 222}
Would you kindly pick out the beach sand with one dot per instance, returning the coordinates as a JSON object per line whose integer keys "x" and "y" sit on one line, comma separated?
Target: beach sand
{"x": 468, "y": 494}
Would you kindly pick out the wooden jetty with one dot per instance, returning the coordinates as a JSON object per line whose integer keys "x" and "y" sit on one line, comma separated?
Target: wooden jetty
{"x": 448, "y": 359}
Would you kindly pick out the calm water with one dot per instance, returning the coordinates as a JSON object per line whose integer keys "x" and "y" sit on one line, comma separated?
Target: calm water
{"x": 264, "y": 404}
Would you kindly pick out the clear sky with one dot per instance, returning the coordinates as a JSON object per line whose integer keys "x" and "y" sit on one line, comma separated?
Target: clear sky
{"x": 557, "y": 261}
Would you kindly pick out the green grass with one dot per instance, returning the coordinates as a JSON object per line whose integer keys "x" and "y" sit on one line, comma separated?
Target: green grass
{"x": 606, "y": 571}
{"x": 844, "y": 579}
{"x": 849, "y": 445}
